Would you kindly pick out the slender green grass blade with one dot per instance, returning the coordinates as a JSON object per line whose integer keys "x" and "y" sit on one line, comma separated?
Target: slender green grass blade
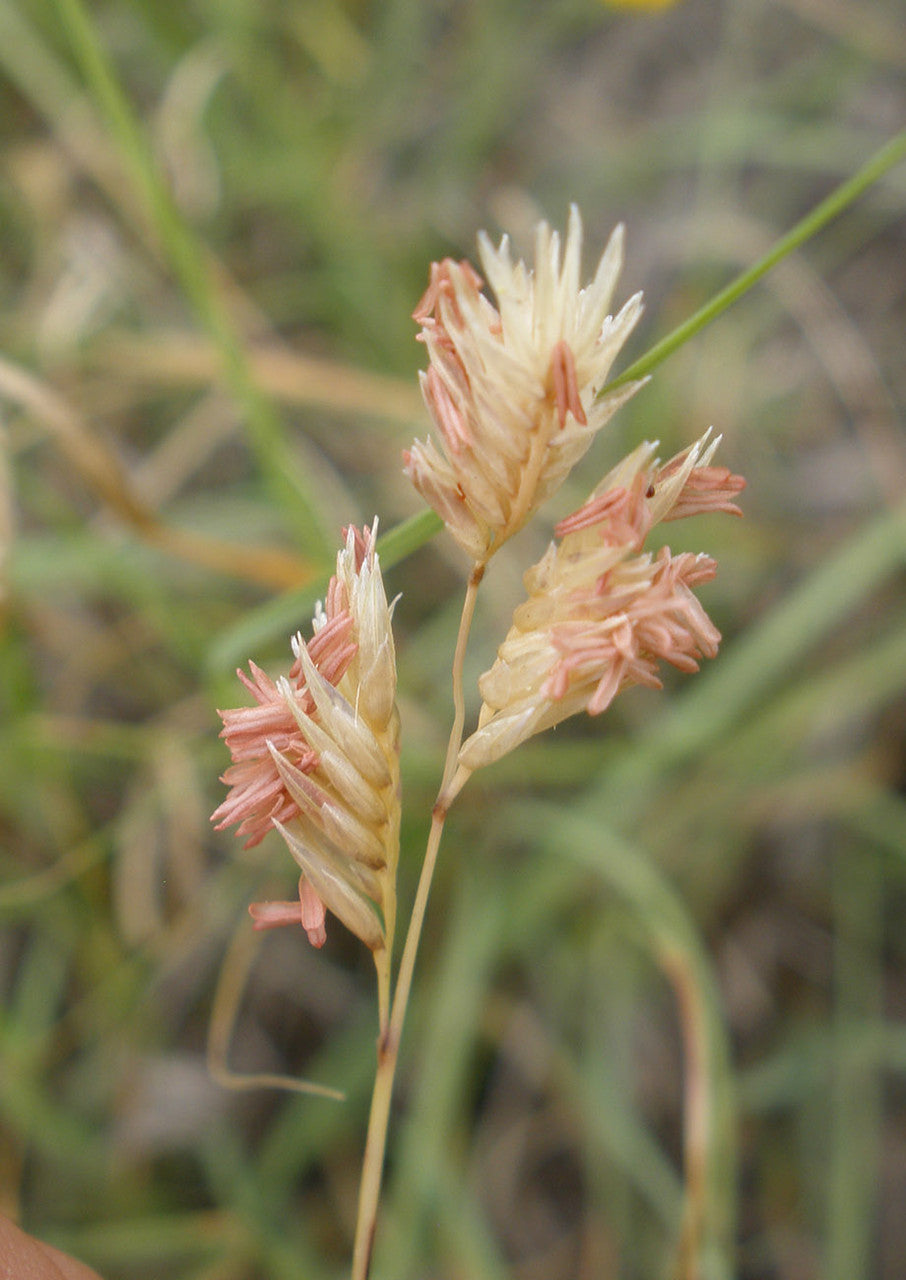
{"x": 675, "y": 941}
{"x": 831, "y": 207}
{"x": 192, "y": 267}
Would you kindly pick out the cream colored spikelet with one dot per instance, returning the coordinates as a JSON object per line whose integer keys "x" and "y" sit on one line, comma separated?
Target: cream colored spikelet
{"x": 600, "y": 612}
{"x": 318, "y": 759}
{"x": 513, "y": 390}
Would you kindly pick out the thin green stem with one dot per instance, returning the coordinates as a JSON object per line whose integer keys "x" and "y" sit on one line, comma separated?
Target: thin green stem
{"x": 697, "y": 1120}
{"x": 882, "y": 161}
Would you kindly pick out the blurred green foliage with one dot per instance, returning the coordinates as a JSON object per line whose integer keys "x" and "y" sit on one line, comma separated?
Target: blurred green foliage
{"x": 216, "y": 219}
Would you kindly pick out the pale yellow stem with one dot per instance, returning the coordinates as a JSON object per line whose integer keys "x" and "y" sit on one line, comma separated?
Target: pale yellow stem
{"x": 373, "y": 1161}
{"x": 382, "y": 969}
{"x": 388, "y": 1054}
{"x": 459, "y": 657}
{"x": 389, "y": 1041}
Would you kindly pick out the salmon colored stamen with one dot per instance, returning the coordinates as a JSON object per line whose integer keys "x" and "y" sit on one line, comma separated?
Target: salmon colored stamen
{"x": 566, "y": 385}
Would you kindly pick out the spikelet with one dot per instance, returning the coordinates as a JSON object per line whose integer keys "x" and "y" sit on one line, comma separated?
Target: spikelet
{"x": 318, "y": 759}
{"x": 512, "y": 390}
{"x": 601, "y": 613}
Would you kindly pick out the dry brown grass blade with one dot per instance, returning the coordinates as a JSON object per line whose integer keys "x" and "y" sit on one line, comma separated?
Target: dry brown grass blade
{"x": 187, "y": 359}
{"x": 102, "y": 471}
{"x": 231, "y": 984}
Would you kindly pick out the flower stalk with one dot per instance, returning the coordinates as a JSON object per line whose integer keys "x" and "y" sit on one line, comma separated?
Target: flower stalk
{"x": 389, "y": 1040}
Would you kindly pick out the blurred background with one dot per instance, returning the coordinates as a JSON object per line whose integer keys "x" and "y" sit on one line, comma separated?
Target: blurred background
{"x": 216, "y": 218}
